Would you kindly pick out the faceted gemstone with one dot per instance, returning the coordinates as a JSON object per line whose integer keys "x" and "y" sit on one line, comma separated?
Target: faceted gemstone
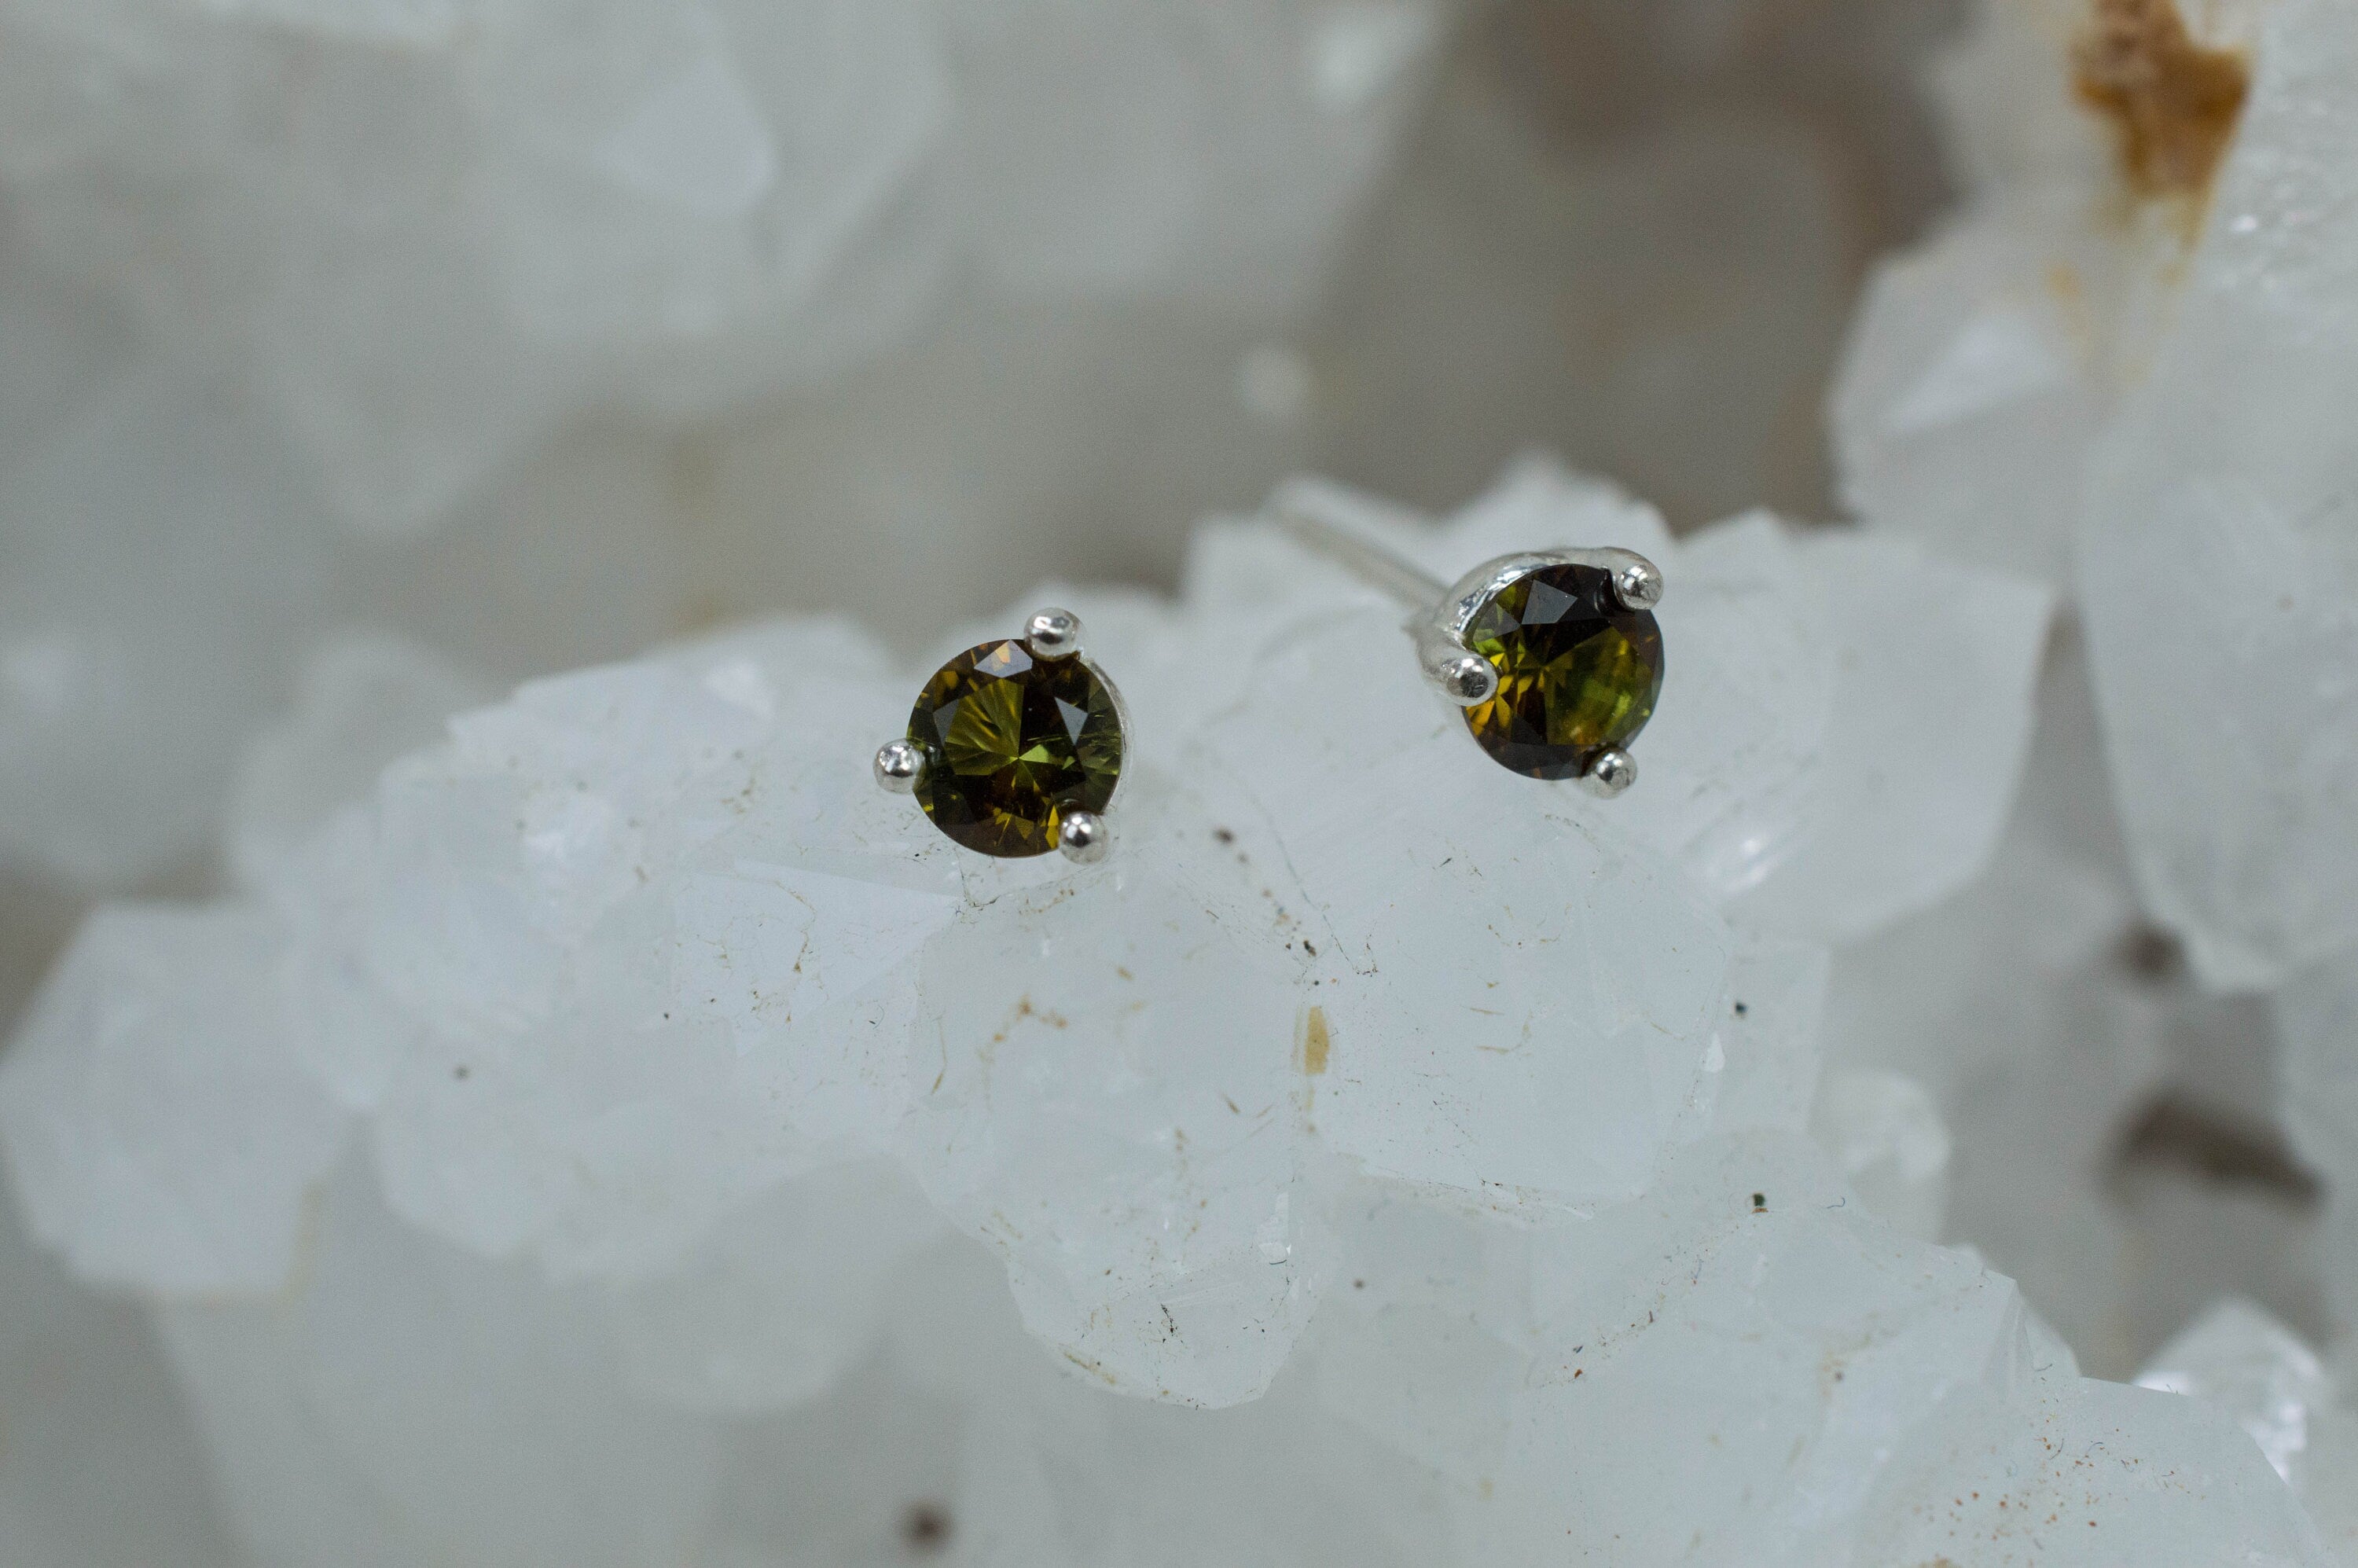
{"x": 1577, "y": 671}
{"x": 1011, "y": 743}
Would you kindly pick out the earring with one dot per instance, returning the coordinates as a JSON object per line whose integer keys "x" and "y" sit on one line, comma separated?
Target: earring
{"x": 1554, "y": 655}
{"x": 1015, "y": 748}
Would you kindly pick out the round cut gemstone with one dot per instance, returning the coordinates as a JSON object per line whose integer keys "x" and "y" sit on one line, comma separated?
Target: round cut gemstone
{"x": 1011, "y": 743}
{"x": 1577, "y": 671}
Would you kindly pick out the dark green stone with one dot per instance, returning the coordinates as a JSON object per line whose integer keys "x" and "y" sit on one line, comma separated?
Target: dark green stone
{"x": 1577, "y": 671}
{"x": 1011, "y": 743}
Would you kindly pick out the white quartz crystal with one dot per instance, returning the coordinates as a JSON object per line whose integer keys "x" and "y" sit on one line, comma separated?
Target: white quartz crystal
{"x": 536, "y": 332}
{"x": 1114, "y": 1109}
{"x": 2217, "y": 483}
{"x": 135, "y": 655}
{"x": 411, "y": 1401}
{"x": 1886, "y": 1134}
{"x": 1904, "y": 634}
{"x": 2238, "y": 1357}
{"x": 2130, "y": 377}
{"x": 2121, "y": 363}
{"x": 363, "y": 701}
{"x": 744, "y": 1174}
{"x": 156, "y": 1125}
{"x": 2243, "y": 1361}
{"x": 434, "y": 229}
{"x": 597, "y": 1127}
{"x": 103, "y": 1464}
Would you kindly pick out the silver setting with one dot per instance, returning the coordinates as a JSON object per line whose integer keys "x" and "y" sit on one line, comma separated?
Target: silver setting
{"x": 1443, "y": 614}
{"x": 1637, "y": 581}
{"x": 1469, "y": 680}
{"x": 1466, "y": 596}
{"x": 1083, "y": 836}
{"x": 899, "y": 764}
{"x": 1054, "y": 633}
{"x": 1610, "y": 771}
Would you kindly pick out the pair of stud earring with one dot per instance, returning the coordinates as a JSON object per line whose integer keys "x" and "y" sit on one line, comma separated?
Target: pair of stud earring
{"x": 1015, "y": 748}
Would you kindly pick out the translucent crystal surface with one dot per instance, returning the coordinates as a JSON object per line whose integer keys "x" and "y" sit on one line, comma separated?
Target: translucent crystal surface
{"x": 2238, "y": 1357}
{"x": 624, "y": 1135}
{"x": 437, "y": 230}
{"x": 595, "y": 1126}
{"x": 103, "y": 1463}
{"x": 494, "y": 325}
{"x": 157, "y": 1128}
{"x": 2117, "y": 367}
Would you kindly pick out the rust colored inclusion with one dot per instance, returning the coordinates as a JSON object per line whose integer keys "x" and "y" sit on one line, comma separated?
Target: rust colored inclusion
{"x": 2172, "y": 102}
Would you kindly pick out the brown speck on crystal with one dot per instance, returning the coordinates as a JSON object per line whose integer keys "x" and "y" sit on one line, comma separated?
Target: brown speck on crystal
{"x": 2172, "y": 101}
{"x": 1315, "y": 1042}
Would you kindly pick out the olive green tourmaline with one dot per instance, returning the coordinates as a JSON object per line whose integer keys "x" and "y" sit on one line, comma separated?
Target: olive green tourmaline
{"x": 1011, "y": 743}
{"x": 1577, "y": 671}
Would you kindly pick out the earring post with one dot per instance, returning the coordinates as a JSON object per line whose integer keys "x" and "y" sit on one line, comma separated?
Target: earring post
{"x": 1375, "y": 565}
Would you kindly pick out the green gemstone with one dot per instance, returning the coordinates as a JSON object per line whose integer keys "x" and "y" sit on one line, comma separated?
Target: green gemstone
{"x": 1011, "y": 743}
{"x": 1577, "y": 671}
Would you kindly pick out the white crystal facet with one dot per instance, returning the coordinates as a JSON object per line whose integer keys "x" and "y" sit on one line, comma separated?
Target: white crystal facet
{"x": 158, "y": 1128}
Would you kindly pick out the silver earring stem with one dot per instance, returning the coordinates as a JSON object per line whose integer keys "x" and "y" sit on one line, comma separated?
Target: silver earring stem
{"x": 1441, "y": 613}
{"x": 1464, "y": 677}
{"x": 1371, "y": 563}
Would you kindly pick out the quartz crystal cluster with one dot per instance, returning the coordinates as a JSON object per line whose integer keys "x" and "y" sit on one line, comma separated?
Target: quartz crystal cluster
{"x": 495, "y": 322}
{"x": 2116, "y": 366}
{"x": 562, "y": 205}
{"x": 598, "y": 1127}
{"x": 623, "y": 1135}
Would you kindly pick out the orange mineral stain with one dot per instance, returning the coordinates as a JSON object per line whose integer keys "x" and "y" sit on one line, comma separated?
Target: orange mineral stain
{"x": 2172, "y": 102}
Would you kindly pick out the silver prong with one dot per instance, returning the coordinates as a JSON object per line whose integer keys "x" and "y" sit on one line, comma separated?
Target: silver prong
{"x": 1612, "y": 771}
{"x": 1467, "y": 679}
{"x": 1052, "y": 633}
{"x": 1083, "y": 835}
{"x": 1637, "y": 581}
{"x": 898, "y": 763}
{"x": 1464, "y": 677}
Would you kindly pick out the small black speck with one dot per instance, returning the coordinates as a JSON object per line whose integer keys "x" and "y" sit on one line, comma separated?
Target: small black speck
{"x": 1759, "y": 1203}
{"x": 1741, "y": 1010}
{"x": 1358, "y": 1284}
{"x": 1223, "y": 836}
{"x": 1309, "y": 947}
{"x": 926, "y": 1527}
{"x": 460, "y": 1071}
